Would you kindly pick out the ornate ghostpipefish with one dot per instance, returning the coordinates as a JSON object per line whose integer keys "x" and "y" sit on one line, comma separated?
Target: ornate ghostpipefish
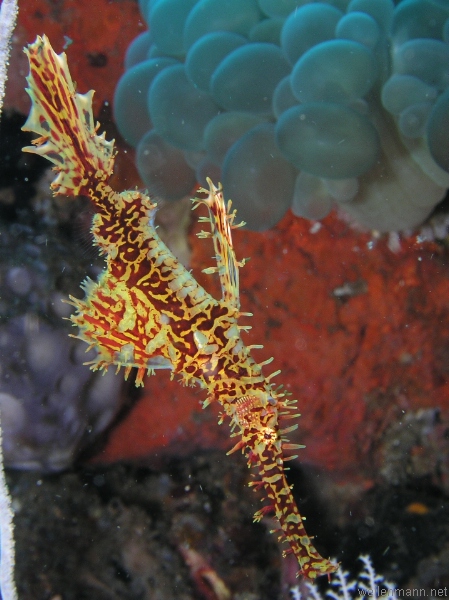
{"x": 147, "y": 311}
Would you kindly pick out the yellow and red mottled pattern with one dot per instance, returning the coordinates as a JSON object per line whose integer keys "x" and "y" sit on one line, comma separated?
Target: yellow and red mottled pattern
{"x": 65, "y": 122}
{"x": 146, "y": 310}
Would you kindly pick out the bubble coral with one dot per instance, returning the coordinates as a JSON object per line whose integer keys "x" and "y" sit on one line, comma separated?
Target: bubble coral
{"x": 50, "y": 403}
{"x": 344, "y": 101}
{"x": 52, "y": 406}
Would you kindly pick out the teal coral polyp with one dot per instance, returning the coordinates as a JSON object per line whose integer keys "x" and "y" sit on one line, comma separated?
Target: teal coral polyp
{"x": 341, "y": 102}
{"x": 328, "y": 140}
{"x": 339, "y": 71}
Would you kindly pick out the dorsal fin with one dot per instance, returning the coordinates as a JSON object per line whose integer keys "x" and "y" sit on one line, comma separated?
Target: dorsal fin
{"x": 65, "y": 122}
{"x": 221, "y": 221}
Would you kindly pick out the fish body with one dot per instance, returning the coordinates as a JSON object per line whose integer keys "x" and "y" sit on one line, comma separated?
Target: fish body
{"x": 146, "y": 311}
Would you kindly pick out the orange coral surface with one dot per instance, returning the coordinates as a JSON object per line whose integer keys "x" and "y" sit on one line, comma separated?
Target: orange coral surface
{"x": 360, "y": 332}
{"x": 93, "y": 33}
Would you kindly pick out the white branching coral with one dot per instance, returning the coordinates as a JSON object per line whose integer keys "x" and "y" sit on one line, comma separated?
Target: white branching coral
{"x": 368, "y": 583}
{"x": 8, "y": 14}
